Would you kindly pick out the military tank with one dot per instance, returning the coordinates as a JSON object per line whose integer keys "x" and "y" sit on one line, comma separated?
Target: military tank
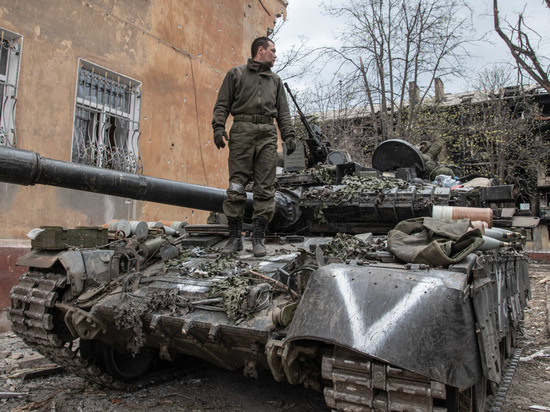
{"x": 330, "y": 307}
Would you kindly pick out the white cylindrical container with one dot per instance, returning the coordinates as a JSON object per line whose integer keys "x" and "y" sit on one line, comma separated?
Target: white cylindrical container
{"x": 458, "y": 212}
{"x": 169, "y": 231}
{"x": 479, "y": 224}
{"x": 120, "y": 226}
{"x": 176, "y": 225}
{"x": 139, "y": 228}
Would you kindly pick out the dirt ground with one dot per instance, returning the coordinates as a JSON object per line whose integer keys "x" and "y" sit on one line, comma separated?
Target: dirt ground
{"x": 530, "y": 388}
{"x": 208, "y": 388}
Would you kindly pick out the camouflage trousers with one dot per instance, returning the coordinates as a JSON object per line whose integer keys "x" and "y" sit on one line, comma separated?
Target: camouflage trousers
{"x": 252, "y": 154}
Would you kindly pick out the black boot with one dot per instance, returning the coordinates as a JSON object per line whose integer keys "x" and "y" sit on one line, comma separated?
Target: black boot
{"x": 235, "y": 242}
{"x": 258, "y": 236}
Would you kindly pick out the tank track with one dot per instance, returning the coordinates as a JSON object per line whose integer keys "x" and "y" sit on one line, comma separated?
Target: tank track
{"x": 31, "y": 313}
{"x": 363, "y": 384}
{"x": 507, "y": 375}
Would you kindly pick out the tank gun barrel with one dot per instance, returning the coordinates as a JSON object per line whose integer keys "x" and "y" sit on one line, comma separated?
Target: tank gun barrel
{"x": 27, "y": 168}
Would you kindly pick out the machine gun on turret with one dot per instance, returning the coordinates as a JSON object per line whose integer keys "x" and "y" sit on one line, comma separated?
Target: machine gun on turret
{"x": 318, "y": 147}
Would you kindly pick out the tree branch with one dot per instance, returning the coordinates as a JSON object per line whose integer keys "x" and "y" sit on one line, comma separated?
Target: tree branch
{"x": 524, "y": 54}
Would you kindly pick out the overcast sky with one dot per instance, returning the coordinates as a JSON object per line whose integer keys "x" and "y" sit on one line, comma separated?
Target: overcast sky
{"x": 308, "y": 19}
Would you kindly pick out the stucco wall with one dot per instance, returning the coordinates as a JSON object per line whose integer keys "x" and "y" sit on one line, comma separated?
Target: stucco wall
{"x": 541, "y": 240}
{"x": 178, "y": 49}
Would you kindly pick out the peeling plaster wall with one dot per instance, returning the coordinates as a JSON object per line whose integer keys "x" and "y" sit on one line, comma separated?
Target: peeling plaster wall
{"x": 178, "y": 49}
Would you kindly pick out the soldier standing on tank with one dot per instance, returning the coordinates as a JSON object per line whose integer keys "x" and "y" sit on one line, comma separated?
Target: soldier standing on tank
{"x": 254, "y": 96}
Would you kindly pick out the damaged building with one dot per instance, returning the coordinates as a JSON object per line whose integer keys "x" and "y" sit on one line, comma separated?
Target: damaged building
{"x": 457, "y": 121}
{"x": 119, "y": 84}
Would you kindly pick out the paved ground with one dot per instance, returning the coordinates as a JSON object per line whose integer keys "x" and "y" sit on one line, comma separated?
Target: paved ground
{"x": 207, "y": 388}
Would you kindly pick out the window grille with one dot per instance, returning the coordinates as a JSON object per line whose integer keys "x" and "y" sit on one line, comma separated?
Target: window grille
{"x": 10, "y": 53}
{"x": 106, "y": 121}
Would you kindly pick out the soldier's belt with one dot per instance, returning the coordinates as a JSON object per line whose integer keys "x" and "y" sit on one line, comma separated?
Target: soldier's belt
{"x": 252, "y": 118}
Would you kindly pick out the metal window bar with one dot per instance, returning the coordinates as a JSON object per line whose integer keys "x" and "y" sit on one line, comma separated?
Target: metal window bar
{"x": 8, "y": 91}
{"x": 106, "y": 134}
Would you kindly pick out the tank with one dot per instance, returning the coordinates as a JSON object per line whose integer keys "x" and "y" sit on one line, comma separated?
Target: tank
{"x": 334, "y": 305}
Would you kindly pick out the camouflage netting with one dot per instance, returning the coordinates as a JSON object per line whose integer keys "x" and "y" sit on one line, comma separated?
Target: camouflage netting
{"x": 361, "y": 184}
{"x": 129, "y": 314}
{"x": 353, "y": 188}
{"x": 344, "y": 246}
{"x": 434, "y": 242}
{"x": 182, "y": 257}
{"x": 222, "y": 264}
{"x": 234, "y": 292}
{"x": 208, "y": 268}
{"x": 323, "y": 175}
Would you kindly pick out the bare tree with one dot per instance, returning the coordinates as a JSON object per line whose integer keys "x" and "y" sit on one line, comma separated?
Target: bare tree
{"x": 295, "y": 62}
{"x": 519, "y": 41}
{"x": 392, "y": 46}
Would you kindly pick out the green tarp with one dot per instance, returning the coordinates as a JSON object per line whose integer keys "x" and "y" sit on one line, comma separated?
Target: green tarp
{"x": 434, "y": 242}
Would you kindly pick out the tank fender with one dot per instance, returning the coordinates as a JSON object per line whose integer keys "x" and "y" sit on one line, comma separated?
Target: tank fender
{"x": 419, "y": 320}
{"x": 39, "y": 258}
{"x": 80, "y": 265}
{"x": 86, "y": 265}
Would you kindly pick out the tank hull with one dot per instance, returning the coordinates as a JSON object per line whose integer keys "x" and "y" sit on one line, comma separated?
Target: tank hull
{"x": 335, "y": 313}
{"x": 397, "y": 334}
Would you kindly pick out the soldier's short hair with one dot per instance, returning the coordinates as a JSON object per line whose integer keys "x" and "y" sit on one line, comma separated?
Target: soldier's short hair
{"x": 260, "y": 41}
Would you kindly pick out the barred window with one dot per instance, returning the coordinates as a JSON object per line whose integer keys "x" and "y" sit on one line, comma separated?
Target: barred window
{"x": 10, "y": 54}
{"x": 106, "y": 120}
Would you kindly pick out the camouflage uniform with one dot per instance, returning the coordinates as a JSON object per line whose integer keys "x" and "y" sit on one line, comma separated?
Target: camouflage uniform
{"x": 254, "y": 95}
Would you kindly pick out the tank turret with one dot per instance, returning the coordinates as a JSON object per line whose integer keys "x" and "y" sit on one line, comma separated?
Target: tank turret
{"x": 337, "y": 198}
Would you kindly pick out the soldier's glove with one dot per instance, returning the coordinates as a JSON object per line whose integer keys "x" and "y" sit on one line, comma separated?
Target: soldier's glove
{"x": 290, "y": 146}
{"x": 219, "y": 135}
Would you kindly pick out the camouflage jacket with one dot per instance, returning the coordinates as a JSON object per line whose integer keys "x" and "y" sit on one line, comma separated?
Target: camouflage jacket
{"x": 253, "y": 88}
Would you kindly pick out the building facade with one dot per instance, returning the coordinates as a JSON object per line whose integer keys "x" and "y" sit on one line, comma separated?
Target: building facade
{"x": 123, "y": 84}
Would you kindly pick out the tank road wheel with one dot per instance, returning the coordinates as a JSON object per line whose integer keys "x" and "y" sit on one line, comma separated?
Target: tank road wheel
{"x": 40, "y": 323}
{"x": 472, "y": 399}
{"x": 480, "y": 395}
{"x": 124, "y": 366}
{"x": 120, "y": 365}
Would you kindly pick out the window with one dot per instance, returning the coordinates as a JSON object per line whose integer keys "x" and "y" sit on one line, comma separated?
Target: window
{"x": 106, "y": 120}
{"x": 10, "y": 53}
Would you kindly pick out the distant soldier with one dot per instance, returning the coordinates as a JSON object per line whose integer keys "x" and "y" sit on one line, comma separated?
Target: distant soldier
{"x": 254, "y": 96}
